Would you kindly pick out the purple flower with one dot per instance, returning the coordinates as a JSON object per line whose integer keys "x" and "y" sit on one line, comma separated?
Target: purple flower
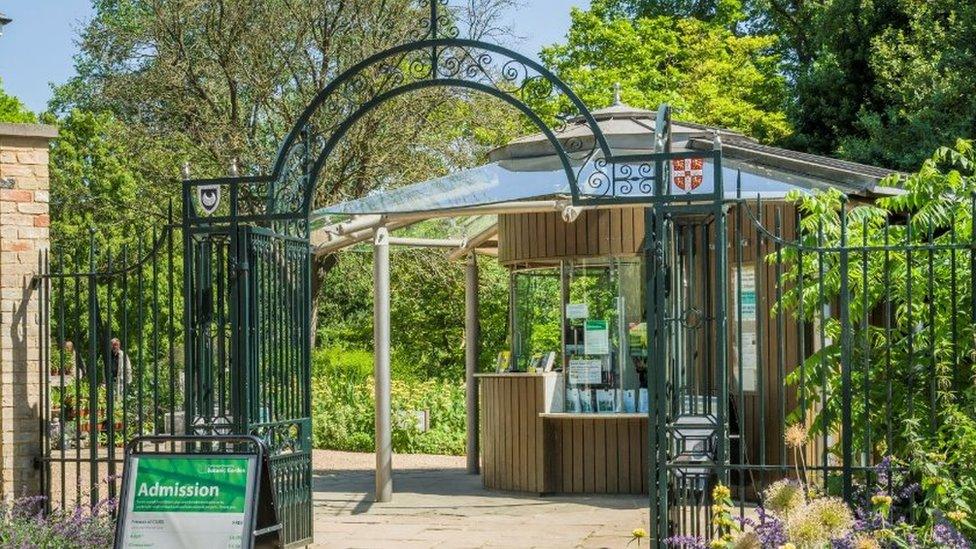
{"x": 771, "y": 530}
{"x": 686, "y": 542}
{"x": 947, "y": 536}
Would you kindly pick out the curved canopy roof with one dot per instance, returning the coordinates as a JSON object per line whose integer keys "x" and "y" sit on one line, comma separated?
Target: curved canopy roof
{"x": 525, "y": 173}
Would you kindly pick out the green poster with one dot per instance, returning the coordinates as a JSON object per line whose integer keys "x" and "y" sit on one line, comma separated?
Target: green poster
{"x": 188, "y": 501}
{"x": 211, "y": 485}
{"x": 596, "y": 337}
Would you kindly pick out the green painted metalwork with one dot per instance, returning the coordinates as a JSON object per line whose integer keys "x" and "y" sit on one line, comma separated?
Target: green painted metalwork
{"x": 93, "y": 399}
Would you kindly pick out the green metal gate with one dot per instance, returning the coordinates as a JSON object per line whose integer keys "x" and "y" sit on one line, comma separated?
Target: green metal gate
{"x": 248, "y": 351}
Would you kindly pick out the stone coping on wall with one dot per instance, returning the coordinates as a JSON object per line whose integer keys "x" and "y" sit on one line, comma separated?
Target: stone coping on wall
{"x": 28, "y": 130}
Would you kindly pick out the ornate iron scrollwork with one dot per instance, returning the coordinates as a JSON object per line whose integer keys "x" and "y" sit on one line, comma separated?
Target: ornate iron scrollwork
{"x": 434, "y": 61}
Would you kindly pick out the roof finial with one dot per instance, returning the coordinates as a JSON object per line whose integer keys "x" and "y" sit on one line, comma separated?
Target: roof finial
{"x": 616, "y": 95}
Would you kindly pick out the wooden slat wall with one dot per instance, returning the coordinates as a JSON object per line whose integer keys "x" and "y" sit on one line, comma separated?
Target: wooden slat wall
{"x": 511, "y": 432}
{"x": 776, "y": 332}
{"x": 528, "y": 237}
{"x": 596, "y": 455}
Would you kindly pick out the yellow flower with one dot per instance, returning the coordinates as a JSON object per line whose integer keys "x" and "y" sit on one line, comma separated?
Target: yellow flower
{"x": 787, "y": 546}
{"x": 819, "y": 521}
{"x": 881, "y": 500}
{"x": 957, "y": 516}
{"x": 718, "y": 543}
{"x": 747, "y": 540}
{"x": 796, "y": 436}
{"x": 639, "y": 533}
{"x": 865, "y": 541}
{"x": 884, "y": 533}
{"x": 721, "y": 492}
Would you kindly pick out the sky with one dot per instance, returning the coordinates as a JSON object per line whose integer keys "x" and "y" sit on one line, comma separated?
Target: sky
{"x": 36, "y": 50}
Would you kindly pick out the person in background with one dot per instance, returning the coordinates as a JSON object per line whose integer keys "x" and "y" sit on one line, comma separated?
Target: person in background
{"x": 121, "y": 368}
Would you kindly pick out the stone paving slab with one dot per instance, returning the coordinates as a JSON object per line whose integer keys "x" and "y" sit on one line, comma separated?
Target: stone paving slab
{"x": 437, "y": 504}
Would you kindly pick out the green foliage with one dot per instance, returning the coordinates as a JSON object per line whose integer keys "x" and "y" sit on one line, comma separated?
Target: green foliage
{"x": 719, "y": 11}
{"x": 887, "y": 84}
{"x": 906, "y": 269}
{"x": 944, "y": 462}
{"x": 426, "y": 310}
{"x": 343, "y": 406}
{"x": 537, "y": 315}
{"x": 881, "y": 82}
{"x": 707, "y": 73}
{"x": 12, "y": 110}
{"x": 97, "y": 182}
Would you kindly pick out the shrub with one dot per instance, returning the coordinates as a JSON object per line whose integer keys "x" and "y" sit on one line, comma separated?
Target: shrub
{"x": 343, "y": 406}
{"x": 23, "y": 524}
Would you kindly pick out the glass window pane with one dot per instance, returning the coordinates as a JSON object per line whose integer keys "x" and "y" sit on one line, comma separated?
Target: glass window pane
{"x": 536, "y": 320}
{"x": 605, "y": 363}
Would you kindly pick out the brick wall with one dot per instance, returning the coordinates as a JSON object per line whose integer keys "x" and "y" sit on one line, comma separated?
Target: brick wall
{"x": 24, "y": 221}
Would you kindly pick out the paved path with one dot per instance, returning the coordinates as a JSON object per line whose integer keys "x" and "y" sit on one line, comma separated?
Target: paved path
{"x": 436, "y": 504}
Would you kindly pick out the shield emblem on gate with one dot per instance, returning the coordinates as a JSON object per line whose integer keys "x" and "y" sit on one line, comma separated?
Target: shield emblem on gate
{"x": 687, "y": 173}
{"x": 208, "y": 196}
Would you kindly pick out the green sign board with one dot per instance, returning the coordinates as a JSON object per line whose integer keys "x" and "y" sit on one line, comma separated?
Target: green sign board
{"x": 188, "y": 500}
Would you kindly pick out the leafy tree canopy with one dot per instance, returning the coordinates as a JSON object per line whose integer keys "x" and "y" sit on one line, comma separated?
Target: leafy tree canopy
{"x": 876, "y": 81}
{"x": 707, "y": 73}
{"x": 12, "y": 110}
{"x": 720, "y": 11}
{"x": 99, "y": 180}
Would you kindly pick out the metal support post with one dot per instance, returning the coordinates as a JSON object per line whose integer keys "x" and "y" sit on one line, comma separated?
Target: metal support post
{"x": 471, "y": 351}
{"x": 381, "y": 364}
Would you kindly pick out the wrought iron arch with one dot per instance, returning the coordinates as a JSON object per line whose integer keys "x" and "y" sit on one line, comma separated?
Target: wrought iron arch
{"x": 433, "y": 62}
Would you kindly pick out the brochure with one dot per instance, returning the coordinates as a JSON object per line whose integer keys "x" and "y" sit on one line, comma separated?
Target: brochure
{"x": 630, "y": 401}
{"x": 642, "y": 400}
{"x": 604, "y": 401}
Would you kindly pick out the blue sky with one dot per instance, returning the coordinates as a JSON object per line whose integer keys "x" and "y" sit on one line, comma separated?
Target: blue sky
{"x": 37, "y": 48}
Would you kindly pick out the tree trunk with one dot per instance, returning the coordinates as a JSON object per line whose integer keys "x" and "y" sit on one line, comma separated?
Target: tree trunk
{"x": 321, "y": 265}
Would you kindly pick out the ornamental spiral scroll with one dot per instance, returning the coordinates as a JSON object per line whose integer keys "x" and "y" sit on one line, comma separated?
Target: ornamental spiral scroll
{"x": 441, "y": 62}
{"x": 619, "y": 180}
{"x": 437, "y": 20}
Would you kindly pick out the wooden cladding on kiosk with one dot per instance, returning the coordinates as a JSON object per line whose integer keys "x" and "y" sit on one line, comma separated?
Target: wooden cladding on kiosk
{"x": 540, "y": 236}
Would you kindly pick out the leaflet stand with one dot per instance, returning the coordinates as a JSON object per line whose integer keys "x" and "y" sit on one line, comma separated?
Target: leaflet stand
{"x": 261, "y": 528}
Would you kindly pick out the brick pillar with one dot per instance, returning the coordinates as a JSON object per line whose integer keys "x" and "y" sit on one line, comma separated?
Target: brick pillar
{"x": 24, "y": 221}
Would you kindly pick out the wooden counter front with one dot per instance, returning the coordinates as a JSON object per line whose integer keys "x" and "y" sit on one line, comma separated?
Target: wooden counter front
{"x": 512, "y": 456}
{"x": 596, "y": 453}
{"x": 529, "y": 446}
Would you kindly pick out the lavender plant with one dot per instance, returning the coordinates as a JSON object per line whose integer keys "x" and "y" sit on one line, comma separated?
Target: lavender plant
{"x": 24, "y": 525}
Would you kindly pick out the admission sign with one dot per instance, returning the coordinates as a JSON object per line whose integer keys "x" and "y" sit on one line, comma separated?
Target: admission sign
{"x": 188, "y": 500}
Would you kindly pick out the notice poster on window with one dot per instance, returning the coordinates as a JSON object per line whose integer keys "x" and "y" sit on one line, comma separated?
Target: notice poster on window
{"x": 745, "y": 301}
{"x": 596, "y": 337}
{"x": 180, "y": 501}
{"x": 577, "y": 310}
{"x": 585, "y": 371}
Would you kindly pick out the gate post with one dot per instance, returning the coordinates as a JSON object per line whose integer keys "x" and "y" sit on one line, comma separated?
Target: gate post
{"x": 24, "y": 222}
{"x": 381, "y": 364}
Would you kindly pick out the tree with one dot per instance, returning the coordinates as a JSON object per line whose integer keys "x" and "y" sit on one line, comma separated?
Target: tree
{"x": 922, "y": 64}
{"x": 880, "y": 81}
{"x": 726, "y": 12}
{"x": 213, "y": 81}
{"x": 707, "y": 73}
{"x": 12, "y": 110}
{"x": 98, "y": 180}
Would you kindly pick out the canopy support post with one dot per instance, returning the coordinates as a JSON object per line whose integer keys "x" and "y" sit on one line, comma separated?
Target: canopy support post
{"x": 471, "y": 351}
{"x": 381, "y": 364}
